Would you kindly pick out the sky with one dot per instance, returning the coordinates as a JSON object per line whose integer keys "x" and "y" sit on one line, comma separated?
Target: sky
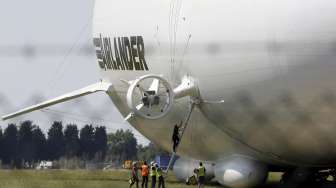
{"x": 45, "y": 51}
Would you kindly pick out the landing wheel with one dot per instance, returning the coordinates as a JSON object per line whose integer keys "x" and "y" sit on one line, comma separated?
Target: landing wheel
{"x": 296, "y": 178}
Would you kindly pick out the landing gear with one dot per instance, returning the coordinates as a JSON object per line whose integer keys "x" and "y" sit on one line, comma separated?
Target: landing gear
{"x": 296, "y": 177}
{"x": 304, "y": 177}
{"x": 325, "y": 176}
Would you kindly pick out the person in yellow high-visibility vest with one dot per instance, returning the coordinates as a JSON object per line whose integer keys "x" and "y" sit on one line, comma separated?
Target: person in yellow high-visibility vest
{"x": 159, "y": 174}
{"x": 152, "y": 174}
{"x": 201, "y": 175}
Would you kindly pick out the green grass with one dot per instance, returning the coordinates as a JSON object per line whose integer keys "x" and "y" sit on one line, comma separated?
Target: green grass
{"x": 77, "y": 179}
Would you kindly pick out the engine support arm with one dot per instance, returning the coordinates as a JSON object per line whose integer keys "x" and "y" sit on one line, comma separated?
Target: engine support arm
{"x": 100, "y": 86}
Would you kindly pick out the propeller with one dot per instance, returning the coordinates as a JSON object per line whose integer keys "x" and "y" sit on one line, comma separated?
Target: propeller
{"x": 149, "y": 96}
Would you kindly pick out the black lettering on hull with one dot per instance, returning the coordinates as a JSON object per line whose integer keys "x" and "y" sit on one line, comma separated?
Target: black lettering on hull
{"x": 99, "y": 52}
{"x": 141, "y": 52}
{"x": 126, "y": 53}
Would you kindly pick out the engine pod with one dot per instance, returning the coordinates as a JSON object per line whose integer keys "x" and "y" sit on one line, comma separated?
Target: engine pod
{"x": 240, "y": 172}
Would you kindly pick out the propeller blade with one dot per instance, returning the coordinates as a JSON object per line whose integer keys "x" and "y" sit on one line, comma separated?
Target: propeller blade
{"x": 139, "y": 106}
{"x": 129, "y": 116}
{"x": 155, "y": 85}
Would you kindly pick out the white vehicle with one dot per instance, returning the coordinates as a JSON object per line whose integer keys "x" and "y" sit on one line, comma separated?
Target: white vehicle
{"x": 45, "y": 165}
{"x": 260, "y": 75}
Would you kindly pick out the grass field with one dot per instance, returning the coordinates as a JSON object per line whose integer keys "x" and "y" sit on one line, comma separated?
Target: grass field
{"x": 78, "y": 179}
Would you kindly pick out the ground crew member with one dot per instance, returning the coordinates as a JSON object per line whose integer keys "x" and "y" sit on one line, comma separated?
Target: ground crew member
{"x": 159, "y": 174}
{"x": 144, "y": 174}
{"x": 201, "y": 175}
{"x": 152, "y": 174}
{"x": 134, "y": 175}
{"x": 176, "y": 136}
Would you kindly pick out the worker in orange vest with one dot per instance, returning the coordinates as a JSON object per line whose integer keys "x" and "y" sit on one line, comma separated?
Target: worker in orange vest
{"x": 144, "y": 174}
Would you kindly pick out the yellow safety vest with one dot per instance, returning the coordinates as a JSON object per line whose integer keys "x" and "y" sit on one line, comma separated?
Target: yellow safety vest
{"x": 152, "y": 171}
{"x": 201, "y": 171}
{"x": 158, "y": 172}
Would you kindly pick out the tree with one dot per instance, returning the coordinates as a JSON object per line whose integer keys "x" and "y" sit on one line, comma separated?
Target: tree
{"x": 25, "y": 141}
{"x": 100, "y": 142}
{"x": 86, "y": 140}
{"x": 39, "y": 143}
{"x": 149, "y": 152}
{"x": 55, "y": 142}
{"x": 122, "y": 145}
{"x": 10, "y": 144}
{"x": 71, "y": 139}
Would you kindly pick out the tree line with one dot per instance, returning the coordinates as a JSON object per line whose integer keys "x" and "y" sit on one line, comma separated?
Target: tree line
{"x": 122, "y": 145}
{"x": 27, "y": 144}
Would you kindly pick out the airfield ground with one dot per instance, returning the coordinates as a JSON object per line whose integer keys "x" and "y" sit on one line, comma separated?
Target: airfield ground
{"x": 82, "y": 179}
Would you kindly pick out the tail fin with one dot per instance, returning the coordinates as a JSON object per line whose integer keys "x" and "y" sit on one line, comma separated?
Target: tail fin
{"x": 100, "y": 86}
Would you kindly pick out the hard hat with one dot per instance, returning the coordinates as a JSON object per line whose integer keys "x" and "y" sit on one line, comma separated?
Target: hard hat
{"x": 134, "y": 163}
{"x": 152, "y": 163}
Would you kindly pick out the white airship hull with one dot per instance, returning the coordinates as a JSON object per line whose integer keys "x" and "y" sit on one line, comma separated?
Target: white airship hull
{"x": 271, "y": 61}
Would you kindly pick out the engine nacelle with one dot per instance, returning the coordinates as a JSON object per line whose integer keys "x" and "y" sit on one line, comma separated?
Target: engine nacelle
{"x": 240, "y": 172}
{"x": 184, "y": 168}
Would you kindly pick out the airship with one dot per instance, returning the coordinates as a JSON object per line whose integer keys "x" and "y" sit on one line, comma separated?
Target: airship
{"x": 252, "y": 81}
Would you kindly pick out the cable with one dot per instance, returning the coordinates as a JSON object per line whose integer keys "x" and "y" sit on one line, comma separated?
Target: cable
{"x": 185, "y": 50}
{"x": 63, "y": 61}
{"x": 177, "y": 16}
{"x": 172, "y": 5}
